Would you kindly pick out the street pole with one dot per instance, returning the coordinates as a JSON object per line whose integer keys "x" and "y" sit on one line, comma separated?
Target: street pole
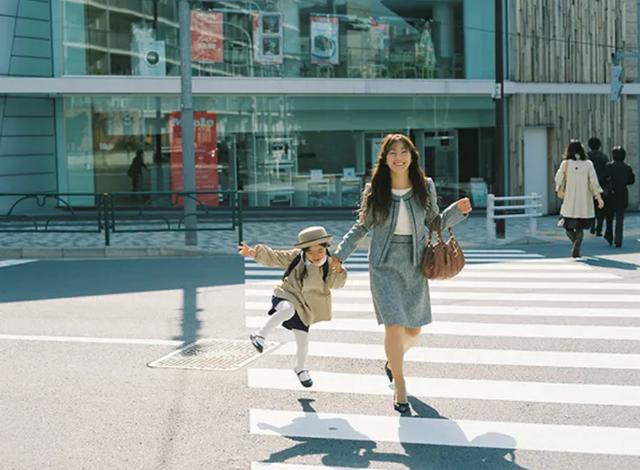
{"x": 186, "y": 123}
{"x": 498, "y": 162}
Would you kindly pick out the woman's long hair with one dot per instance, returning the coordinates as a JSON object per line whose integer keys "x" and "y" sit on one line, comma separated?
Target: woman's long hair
{"x": 574, "y": 150}
{"x": 378, "y": 200}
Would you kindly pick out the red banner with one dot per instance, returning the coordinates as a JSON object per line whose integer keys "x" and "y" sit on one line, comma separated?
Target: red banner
{"x": 207, "y": 38}
{"x": 206, "y": 156}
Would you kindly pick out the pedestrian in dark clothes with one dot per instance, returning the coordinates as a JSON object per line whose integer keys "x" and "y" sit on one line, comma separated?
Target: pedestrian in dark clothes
{"x": 618, "y": 175}
{"x": 135, "y": 171}
{"x": 599, "y": 161}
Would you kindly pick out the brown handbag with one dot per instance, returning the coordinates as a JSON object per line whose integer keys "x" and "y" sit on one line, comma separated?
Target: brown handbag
{"x": 442, "y": 260}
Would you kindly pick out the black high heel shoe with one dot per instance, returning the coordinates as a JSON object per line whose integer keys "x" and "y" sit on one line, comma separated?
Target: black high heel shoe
{"x": 388, "y": 371}
{"x": 401, "y": 408}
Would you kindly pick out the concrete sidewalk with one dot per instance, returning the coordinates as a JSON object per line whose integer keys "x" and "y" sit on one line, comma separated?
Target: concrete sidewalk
{"x": 471, "y": 233}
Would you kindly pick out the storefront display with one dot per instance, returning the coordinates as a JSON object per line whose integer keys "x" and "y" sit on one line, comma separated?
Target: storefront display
{"x": 302, "y": 151}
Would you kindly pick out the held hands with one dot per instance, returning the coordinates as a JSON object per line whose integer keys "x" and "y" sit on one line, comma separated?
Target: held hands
{"x": 464, "y": 205}
{"x": 600, "y": 201}
{"x": 336, "y": 264}
{"x": 246, "y": 250}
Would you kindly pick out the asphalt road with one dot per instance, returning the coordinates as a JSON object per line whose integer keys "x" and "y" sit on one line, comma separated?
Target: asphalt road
{"x": 533, "y": 361}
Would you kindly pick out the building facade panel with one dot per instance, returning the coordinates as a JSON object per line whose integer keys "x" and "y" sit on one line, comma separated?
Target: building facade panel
{"x": 285, "y": 38}
{"x": 561, "y": 41}
{"x": 283, "y": 151}
{"x": 571, "y": 43}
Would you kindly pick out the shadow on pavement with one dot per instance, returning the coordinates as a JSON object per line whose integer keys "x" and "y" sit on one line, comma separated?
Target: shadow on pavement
{"x": 78, "y": 278}
{"x": 361, "y": 451}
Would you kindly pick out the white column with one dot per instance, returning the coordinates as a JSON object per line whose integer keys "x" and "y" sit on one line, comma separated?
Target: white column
{"x": 292, "y": 57}
{"x": 443, "y": 15}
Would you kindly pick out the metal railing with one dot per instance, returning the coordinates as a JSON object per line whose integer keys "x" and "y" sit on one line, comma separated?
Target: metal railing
{"x": 120, "y": 212}
{"x": 525, "y": 207}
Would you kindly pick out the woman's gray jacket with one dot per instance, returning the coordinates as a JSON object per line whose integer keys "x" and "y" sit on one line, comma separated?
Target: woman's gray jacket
{"x": 381, "y": 234}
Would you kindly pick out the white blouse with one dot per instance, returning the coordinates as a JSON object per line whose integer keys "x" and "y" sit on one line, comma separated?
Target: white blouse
{"x": 403, "y": 226}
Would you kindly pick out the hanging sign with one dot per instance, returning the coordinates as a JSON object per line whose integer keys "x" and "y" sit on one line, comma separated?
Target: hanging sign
{"x": 207, "y": 37}
{"x": 324, "y": 40}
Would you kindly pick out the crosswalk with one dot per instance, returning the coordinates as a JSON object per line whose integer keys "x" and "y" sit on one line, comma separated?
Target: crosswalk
{"x": 502, "y": 298}
{"x": 14, "y": 262}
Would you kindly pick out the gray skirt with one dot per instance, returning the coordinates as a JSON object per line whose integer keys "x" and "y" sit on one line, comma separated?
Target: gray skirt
{"x": 400, "y": 292}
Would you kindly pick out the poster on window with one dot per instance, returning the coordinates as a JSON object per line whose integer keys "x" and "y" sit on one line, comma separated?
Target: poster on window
{"x": 268, "y": 38}
{"x": 207, "y": 37}
{"x": 148, "y": 56}
{"x": 206, "y": 155}
{"x": 380, "y": 41}
{"x": 324, "y": 40}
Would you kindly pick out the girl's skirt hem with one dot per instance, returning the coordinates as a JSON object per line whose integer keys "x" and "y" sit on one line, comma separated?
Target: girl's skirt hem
{"x": 571, "y": 223}
{"x": 293, "y": 323}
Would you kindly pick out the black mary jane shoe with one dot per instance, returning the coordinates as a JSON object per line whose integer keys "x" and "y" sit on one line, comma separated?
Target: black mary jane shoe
{"x": 306, "y": 381}
{"x": 257, "y": 344}
{"x": 388, "y": 371}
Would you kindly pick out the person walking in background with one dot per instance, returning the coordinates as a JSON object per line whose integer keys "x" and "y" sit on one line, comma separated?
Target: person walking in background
{"x": 397, "y": 207}
{"x": 618, "y": 175}
{"x": 135, "y": 171}
{"x": 599, "y": 161}
{"x": 577, "y": 176}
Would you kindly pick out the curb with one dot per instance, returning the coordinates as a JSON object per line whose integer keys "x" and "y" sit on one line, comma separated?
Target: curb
{"x": 107, "y": 252}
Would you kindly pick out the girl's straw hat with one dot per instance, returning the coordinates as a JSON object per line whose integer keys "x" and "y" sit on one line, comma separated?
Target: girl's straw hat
{"x": 312, "y": 236}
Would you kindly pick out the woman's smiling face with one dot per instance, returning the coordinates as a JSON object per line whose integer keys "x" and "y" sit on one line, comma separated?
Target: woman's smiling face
{"x": 398, "y": 158}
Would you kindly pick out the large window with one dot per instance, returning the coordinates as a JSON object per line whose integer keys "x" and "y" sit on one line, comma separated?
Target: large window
{"x": 283, "y": 38}
{"x": 281, "y": 151}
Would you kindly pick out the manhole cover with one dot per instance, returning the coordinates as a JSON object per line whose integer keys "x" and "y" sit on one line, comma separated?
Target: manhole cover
{"x": 212, "y": 354}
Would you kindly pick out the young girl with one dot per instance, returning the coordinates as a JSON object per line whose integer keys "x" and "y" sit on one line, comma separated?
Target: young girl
{"x": 304, "y": 296}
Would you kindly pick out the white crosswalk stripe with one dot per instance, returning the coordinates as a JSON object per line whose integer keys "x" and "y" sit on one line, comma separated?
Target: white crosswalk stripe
{"x": 509, "y": 284}
{"x": 14, "y": 262}
{"x": 448, "y": 432}
{"x": 496, "y": 296}
{"x": 472, "y": 356}
{"x": 481, "y": 310}
{"x": 510, "y": 330}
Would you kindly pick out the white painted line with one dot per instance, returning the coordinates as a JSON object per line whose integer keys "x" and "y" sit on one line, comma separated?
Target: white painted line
{"x": 468, "y": 389}
{"x": 470, "y": 254}
{"x": 496, "y": 296}
{"x": 483, "y": 310}
{"x": 459, "y": 283}
{"x": 277, "y": 274}
{"x": 568, "y": 269}
{"x": 82, "y": 339}
{"x": 512, "y": 330}
{"x": 446, "y": 432}
{"x": 494, "y": 259}
{"x": 15, "y": 262}
{"x": 501, "y": 357}
{"x": 528, "y": 266}
{"x": 494, "y": 251}
{"x": 482, "y": 274}
{"x": 293, "y": 466}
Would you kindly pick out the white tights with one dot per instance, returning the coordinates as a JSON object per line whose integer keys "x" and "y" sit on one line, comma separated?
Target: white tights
{"x": 284, "y": 311}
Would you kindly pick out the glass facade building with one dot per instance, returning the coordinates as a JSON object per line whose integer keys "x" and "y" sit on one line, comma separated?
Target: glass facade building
{"x": 291, "y": 97}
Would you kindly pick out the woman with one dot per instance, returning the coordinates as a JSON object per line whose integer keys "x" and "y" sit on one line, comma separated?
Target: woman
{"x": 618, "y": 175}
{"x": 397, "y": 207}
{"x": 578, "y": 177}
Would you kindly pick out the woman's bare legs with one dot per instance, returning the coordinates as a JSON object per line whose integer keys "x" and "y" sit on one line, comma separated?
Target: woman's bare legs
{"x": 398, "y": 340}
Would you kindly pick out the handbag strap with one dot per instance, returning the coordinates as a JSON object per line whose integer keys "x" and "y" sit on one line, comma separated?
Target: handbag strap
{"x": 435, "y": 226}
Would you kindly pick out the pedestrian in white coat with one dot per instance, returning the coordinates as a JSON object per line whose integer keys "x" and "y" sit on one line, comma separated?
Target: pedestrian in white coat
{"x": 577, "y": 177}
